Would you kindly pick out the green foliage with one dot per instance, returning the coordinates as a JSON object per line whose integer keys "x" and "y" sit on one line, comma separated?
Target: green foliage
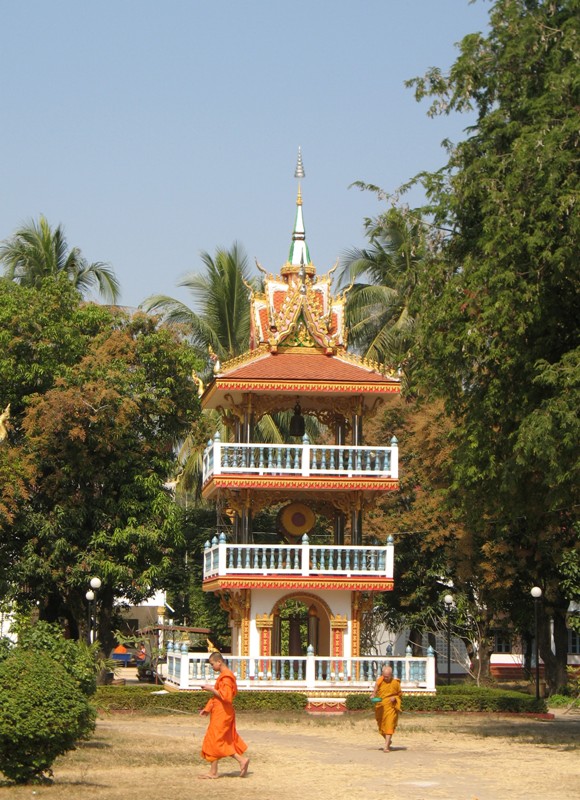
{"x": 143, "y": 700}
{"x": 42, "y": 714}
{"x": 461, "y": 698}
{"x": 497, "y": 332}
{"x": 383, "y": 276}
{"x": 36, "y": 252}
{"x": 6, "y": 647}
{"x": 76, "y": 657}
{"x": 99, "y": 401}
{"x": 220, "y": 318}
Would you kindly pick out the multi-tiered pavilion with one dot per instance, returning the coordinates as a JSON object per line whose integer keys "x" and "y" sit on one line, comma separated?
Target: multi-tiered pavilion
{"x": 297, "y": 361}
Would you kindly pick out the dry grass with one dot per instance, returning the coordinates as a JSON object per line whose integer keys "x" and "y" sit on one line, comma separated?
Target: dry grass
{"x": 437, "y": 757}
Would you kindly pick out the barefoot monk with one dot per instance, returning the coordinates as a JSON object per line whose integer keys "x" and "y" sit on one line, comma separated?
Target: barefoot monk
{"x": 387, "y": 710}
{"x": 221, "y": 738}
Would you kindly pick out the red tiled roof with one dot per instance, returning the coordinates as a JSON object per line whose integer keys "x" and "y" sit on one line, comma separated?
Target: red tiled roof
{"x": 305, "y": 367}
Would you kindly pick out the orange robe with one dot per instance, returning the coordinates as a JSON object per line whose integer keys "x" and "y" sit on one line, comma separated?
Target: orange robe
{"x": 221, "y": 738}
{"x": 387, "y": 712}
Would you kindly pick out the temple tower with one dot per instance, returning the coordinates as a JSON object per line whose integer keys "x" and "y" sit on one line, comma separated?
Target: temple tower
{"x": 285, "y": 595}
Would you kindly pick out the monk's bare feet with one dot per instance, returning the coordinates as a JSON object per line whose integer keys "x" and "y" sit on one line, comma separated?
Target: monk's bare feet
{"x": 244, "y": 768}
{"x": 208, "y": 777}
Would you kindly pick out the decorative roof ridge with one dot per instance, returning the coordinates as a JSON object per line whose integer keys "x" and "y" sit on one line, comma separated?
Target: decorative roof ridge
{"x": 366, "y": 363}
{"x": 245, "y": 358}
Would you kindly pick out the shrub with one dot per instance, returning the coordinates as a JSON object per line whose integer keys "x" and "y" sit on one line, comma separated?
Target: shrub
{"x": 6, "y": 647}
{"x": 77, "y": 658}
{"x": 42, "y": 714}
{"x": 460, "y": 698}
{"x": 144, "y": 699}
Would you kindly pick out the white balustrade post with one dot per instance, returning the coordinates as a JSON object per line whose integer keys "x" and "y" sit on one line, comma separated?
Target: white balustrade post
{"x": 408, "y": 657}
{"x": 206, "y": 559}
{"x": 305, "y": 456}
{"x": 305, "y": 555}
{"x": 395, "y": 458}
{"x": 184, "y": 670}
{"x": 222, "y": 554}
{"x": 310, "y": 668}
{"x": 430, "y": 670}
{"x": 390, "y": 557}
{"x": 217, "y": 454}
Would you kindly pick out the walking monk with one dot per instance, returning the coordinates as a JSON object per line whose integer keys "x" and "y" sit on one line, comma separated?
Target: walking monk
{"x": 388, "y": 709}
{"x": 221, "y": 738}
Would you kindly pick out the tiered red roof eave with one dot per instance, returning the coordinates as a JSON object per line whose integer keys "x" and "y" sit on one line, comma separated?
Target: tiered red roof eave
{"x": 297, "y": 372}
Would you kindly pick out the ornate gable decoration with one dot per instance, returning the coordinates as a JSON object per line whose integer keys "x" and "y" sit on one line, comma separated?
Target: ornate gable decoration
{"x": 295, "y": 308}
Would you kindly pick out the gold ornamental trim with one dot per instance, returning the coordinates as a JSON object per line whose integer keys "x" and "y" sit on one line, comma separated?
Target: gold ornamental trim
{"x": 298, "y": 387}
{"x": 222, "y": 583}
{"x": 264, "y": 620}
{"x": 250, "y": 481}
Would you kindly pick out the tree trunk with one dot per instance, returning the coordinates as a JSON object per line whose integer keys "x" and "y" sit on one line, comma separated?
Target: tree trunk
{"x": 416, "y": 641}
{"x": 554, "y": 662}
{"x": 481, "y": 662}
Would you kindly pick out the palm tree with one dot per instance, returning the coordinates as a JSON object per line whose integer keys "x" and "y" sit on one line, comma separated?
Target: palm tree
{"x": 36, "y": 252}
{"x": 383, "y": 277}
{"x": 220, "y": 319}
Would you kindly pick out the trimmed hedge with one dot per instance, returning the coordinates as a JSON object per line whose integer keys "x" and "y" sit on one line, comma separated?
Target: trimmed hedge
{"x": 143, "y": 699}
{"x": 448, "y": 698}
{"x": 465, "y": 697}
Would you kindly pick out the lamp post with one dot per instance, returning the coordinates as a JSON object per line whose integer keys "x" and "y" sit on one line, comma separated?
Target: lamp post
{"x": 536, "y": 593}
{"x": 448, "y": 600}
{"x": 90, "y": 595}
{"x": 95, "y": 584}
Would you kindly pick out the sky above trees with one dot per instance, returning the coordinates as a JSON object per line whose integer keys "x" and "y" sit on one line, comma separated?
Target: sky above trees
{"x": 154, "y": 131}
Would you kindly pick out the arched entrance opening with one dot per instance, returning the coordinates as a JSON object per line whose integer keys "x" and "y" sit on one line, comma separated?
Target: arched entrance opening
{"x": 300, "y": 620}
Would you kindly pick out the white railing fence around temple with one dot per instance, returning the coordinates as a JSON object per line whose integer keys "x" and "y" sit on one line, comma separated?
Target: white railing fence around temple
{"x": 222, "y": 558}
{"x": 187, "y": 670}
{"x": 304, "y": 460}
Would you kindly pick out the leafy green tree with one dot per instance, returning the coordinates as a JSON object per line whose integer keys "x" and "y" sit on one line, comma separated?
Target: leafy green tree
{"x": 101, "y": 437}
{"x": 497, "y": 331}
{"x": 37, "y": 251}
{"x": 384, "y": 275}
{"x": 220, "y": 318}
{"x": 219, "y": 325}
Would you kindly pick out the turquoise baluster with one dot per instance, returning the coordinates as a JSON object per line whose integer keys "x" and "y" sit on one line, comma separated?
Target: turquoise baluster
{"x": 347, "y": 560}
{"x": 246, "y": 558}
{"x": 319, "y": 671}
{"x": 230, "y": 558}
{"x": 355, "y": 554}
{"x": 279, "y": 458}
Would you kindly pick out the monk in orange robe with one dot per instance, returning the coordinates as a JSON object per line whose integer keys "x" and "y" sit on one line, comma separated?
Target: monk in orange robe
{"x": 388, "y": 709}
{"x": 221, "y": 738}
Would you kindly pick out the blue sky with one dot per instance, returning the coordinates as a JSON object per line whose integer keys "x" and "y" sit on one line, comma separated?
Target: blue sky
{"x": 154, "y": 130}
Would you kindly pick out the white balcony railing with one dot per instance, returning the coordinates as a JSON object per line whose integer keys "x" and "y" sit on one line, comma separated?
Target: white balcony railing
{"x": 221, "y": 558}
{"x": 302, "y": 673}
{"x": 304, "y": 460}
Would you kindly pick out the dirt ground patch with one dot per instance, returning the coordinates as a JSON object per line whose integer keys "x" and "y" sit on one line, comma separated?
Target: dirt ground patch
{"x": 454, "y": 757}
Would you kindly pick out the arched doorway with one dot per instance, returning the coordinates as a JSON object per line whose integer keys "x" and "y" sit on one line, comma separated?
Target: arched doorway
{"x": 300, "y": 620}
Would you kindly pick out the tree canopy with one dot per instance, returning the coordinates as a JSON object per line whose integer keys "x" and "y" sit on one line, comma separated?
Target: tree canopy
{"x": 100, "y": 437}
{"x": 497, "y": 310}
